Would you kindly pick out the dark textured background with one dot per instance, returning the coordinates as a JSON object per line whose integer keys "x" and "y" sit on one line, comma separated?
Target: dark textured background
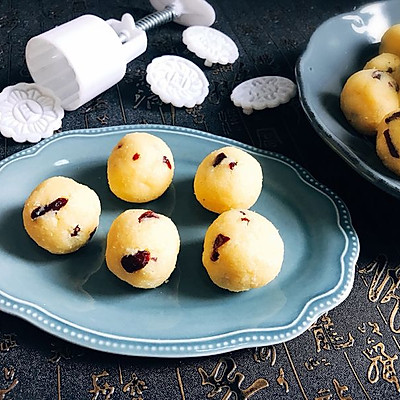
{"x": 351, "y": 353}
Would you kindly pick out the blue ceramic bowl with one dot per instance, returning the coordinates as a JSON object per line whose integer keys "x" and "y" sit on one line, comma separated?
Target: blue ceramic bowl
{"x": 338, "y": 48}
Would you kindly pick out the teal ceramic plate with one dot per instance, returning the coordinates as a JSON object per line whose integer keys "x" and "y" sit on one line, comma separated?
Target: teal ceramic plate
{"x": 338, "y": 48}
{"x": 76, "y": 298}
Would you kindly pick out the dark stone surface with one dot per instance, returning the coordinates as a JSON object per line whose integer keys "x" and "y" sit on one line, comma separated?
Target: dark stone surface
{"x": 352, "y": 353}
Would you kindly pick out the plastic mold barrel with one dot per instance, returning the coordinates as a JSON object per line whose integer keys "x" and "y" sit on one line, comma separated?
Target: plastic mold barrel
{"x": 84, "y": 57}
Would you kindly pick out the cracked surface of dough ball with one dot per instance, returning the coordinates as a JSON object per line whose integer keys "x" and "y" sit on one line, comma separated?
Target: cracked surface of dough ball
{"x": 242, "y": 250}
{"x": 388, "y": 141}
{"x": 367, "y": 96}
{"x": 228, "y": 178}
{"x": 142, "y": 248}
{"x": 61, "y": 215}
{"x": 140, "y": 168}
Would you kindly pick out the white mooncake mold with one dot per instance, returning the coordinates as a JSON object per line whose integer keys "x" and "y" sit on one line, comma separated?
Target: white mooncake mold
{"x": 29, "y": 113}
{"x": 210, "y": 44}
{"x": 177, "y": 81}
{"x": 263, "y": 92}
{"x": 187, "y": 12}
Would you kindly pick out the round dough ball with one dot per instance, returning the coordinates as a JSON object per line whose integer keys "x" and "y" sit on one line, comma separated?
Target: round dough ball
{"x": 140, "y": 168}
{"x": 396, "y": 76}
{"x": 228, "y": 178}
{"x": 242, "y": 250}
{"x": 367, "y": 96}
{"x": 388, "y": 141}
{"x": 61, "y": 215}
{"x": 386, "y": 62}
{"x": 142, "y": 248}
{"x": 390, "y": 42}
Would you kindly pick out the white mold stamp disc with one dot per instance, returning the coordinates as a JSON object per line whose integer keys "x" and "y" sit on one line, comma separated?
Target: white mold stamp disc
{"x": 29, "y": 112}
{"x": 177, "y": 81}
{"x": 211, "y": 45}
{"x": 263, "y": 92}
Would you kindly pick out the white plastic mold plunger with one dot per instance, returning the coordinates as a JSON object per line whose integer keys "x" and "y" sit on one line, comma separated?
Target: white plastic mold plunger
{"x": 29, "y": 113}
{"x": 211, "y": 45}
{"x": 188, "y": 12}
{"x": 177, "y": 81}
{"x": 84, "y": 57}
{"x": 263, "y": 92}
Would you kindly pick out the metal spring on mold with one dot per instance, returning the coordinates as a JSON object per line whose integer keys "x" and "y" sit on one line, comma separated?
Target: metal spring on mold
{"x": 157, "y": 18}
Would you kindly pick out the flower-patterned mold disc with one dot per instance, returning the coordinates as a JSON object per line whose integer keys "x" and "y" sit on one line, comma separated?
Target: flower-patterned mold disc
{"x": 177, "y": 81}
{"x": 29, "y": 112}
{"x": 211, "y": 45}
{"x": 263, "y": 92}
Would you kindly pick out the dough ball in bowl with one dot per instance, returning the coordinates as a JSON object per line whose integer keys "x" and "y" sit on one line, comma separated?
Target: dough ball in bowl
{"x": 388, "y": 141}
{"x": 390, "y": 42}
{"x": 140, "y": 168}
{"x": 61, "y": 215}
{"x": 228, "y": 178}
{"x": 386, "y": 62}
{"x": 367, "y": 96}
{"x": 142, "y": 248}
{"x": 242, "y": 250}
